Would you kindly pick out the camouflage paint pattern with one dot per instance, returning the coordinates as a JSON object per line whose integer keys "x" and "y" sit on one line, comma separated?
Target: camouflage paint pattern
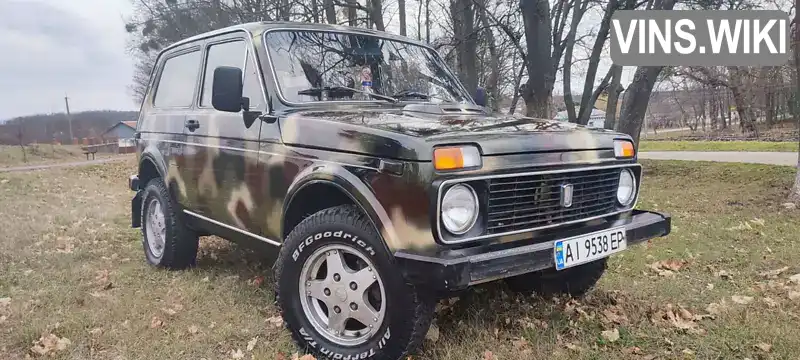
{"x": 243, "y": 177}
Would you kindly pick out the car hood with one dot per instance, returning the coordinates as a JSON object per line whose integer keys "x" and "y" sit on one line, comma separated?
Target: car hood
{"x": 408, "y": 134}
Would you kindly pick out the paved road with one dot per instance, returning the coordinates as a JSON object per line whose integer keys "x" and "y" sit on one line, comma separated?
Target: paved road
{"x": 66, "y": 164}
{"x": 771, "y": 158}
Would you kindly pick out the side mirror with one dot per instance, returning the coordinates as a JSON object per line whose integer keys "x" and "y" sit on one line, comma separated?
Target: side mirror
{"x": 480, "y": 96}
{"x": 226, "y": 90}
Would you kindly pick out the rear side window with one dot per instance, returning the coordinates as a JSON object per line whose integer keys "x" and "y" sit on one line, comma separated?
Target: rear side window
{"x": 178, "y": 78}
{"x": 225, "y": 54}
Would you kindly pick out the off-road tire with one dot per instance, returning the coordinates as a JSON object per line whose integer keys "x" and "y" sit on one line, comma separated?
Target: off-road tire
{"x": 180, "y": 244}
{"x": 576, "y": 281}
{"x": 409, "y": 311}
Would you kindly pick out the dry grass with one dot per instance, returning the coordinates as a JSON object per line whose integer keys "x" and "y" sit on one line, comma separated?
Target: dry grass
{"x": 71, "y": 266}
{"x": 36, "y": 154}
{"x": 677, "y": 145}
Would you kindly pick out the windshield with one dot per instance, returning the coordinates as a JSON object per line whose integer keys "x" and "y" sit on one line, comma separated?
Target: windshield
{"x": 321, "y": 66}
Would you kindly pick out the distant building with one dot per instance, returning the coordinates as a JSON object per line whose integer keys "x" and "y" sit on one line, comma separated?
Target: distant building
{"x": 123, "y": 132}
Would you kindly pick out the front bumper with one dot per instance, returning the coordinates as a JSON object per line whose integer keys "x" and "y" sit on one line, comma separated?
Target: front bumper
{"x": 454, "y": 270}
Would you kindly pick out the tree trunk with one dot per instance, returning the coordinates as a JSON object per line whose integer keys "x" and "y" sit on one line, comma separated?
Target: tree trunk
{"x": 613, "y": 96}
{"x": 587, "y": 103}
{"x": 427, "y": 21}
{"x": 351, "y": 12}
{"x": 794, "y": 196}
{"x": 493, "y": 81}
{"x": 466, "y": 42}
{"x": 637, "y": 97}
{"x": 401, "y": 4}
{"x": 330, "y": 11}
{"x": 315, "y": 10}
{"x": 376, "y": 14}
{"x": 537, "y": 92}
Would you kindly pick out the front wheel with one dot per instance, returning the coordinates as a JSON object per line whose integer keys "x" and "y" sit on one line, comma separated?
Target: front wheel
{"x": 339, "y": 294}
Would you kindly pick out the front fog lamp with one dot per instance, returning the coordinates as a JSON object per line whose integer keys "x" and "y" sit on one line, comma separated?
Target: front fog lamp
{"x": 459, "y": 209}
{"x": 627, "y": 188}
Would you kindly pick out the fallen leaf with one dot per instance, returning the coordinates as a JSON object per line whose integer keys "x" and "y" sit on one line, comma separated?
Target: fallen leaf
{"x": 742, "y": 300}
{"x": 520, "y": 343}
{"x": 237, "y": 354}
{"x": 758, "y": 221}
{"x": 573, "y": 347}
{"x": 671, "y": 264}
{"x": 789, "y": 206}
{"x": 770, "y": 302}
{"x": 763, "y": 347}
{"x": 794, "y": 295}
{"x": 155, "y": 322}
{"x": 688, "y": 352}
{"x": 635, "y": 350}
{"x": 795, "y": 279}
{"x": 252, "y": 343}
{"x": 48, "y": 344}
{"x": 487, "y": 355}
{"x": 168, "y": 311}
{"x": 610, "y": 335}
{"x": 257, "y": 281}
{"x": 205, "y": 279}
{"x": 193, "y": 329}
{"x": 96, "y": 331}
{"x": 710, "y": 286}
{"x": 773, "y": 273}
{"x": 723, "y": 275}
{"x": 742, "y": 226}
{"x": 433, "y": 334}
{"x": 307, "y": 357}
{"x": 276, "y": 321}
{"x": 679, "y": 318}
{"x": 715, "y": 308}
{"x": 613, "y": 315}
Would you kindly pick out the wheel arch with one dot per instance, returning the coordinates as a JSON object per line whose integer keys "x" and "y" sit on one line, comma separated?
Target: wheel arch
{"x": 349, "y": 189}
{"x": 151, "y": 167}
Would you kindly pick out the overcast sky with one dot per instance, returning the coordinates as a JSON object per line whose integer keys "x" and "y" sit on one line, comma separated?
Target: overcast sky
{"x": 55, "y": 47}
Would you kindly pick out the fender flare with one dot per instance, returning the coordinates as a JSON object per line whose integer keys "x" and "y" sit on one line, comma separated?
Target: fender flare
{"x": 355, "y": 189}
{"x": 152, "y": 154}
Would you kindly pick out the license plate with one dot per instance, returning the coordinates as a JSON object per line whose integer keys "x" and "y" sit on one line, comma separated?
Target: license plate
{"x": 590, "y": 247}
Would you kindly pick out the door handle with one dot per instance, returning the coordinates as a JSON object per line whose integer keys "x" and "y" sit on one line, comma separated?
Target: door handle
{"x": 192, "y": 124}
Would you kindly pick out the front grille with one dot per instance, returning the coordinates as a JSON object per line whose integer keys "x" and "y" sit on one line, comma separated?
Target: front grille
{"x": 531, "y": 201}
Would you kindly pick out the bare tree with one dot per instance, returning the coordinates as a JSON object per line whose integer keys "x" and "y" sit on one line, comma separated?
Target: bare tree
{"x": 794, "y": 196}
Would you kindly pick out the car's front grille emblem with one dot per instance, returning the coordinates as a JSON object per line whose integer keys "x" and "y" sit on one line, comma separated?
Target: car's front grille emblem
{"x": 566, "y": 195}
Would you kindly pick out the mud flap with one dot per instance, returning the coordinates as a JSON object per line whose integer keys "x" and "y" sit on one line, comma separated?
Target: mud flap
{"x": 136, "y": 210}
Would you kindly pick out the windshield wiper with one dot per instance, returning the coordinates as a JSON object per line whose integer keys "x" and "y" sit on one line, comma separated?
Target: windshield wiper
{"x": 411, "y": 94}
{"x": 316, "y": 91}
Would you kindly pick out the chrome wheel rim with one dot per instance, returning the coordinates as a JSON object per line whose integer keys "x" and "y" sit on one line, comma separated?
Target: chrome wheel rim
{"x": 156, "y": 228}
{"x": 342, "y": 295}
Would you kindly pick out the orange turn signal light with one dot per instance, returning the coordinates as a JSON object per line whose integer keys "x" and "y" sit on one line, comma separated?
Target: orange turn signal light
{"x": 624, "y": 149}
{"x": 453, "y": 158}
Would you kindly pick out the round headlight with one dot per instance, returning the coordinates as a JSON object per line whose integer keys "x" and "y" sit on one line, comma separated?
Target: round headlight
{"x": 459, "y": 209}
{"x": 626, "y": 191}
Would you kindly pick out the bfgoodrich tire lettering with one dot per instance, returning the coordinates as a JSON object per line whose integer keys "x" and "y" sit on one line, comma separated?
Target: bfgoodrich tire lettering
{"x": 179, "y": 243}
{"x": 408, "y": 311}
{"x": 575, "y": 281}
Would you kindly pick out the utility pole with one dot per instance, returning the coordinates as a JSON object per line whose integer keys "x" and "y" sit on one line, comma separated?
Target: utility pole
{"x": 69, "y": 119}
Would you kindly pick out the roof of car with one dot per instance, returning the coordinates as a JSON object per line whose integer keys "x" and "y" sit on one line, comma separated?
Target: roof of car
{"x": 258, "y": 27}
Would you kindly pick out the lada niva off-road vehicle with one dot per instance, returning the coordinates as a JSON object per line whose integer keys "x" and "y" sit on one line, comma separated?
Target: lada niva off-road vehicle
{"x": 376, "y": 177}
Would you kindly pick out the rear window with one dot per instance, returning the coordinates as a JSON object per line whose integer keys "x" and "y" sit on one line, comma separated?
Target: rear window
{"x": 177, "y": 82}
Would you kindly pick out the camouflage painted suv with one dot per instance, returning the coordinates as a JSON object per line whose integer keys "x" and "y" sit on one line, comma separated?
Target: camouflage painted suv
{"x": 380, "y": 182}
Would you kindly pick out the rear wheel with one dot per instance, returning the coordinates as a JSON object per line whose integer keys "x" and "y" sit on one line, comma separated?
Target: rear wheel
{"x": 339, "y": 295}
{"x": 575, "y": 281}
{"x": 167, "y": 242}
